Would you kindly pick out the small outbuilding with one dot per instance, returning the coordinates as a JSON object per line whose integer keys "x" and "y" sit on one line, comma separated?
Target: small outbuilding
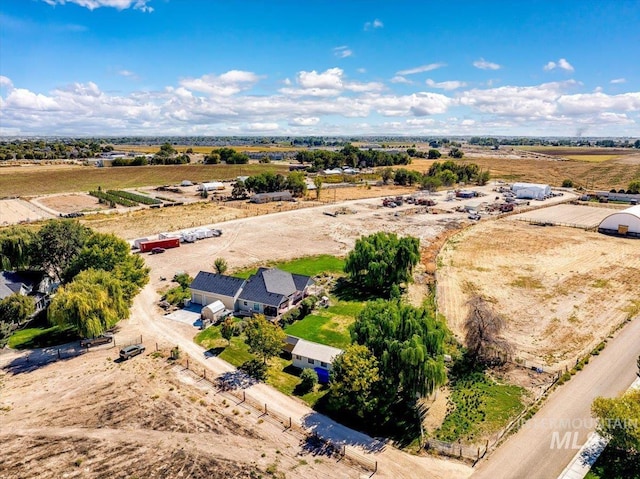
{"x": 310, "y": 355}
{"x": 625, "y": 222}
{"x": 211, "y": 186}
{"x": 214, "y": 311}
{"x": 268, "y": 197}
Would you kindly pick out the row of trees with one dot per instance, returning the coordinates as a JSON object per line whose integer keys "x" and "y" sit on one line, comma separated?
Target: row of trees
{"x": 351, "y": 156}
{"x": 226, "y": 155}
{"x": 98, "y": 274}
{"x": 269, "y": 182}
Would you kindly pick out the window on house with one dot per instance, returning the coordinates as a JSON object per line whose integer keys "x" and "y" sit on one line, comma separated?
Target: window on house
{"x": 245, "y": 303}
{"x": 323, "y": 364}
{"x": 310, "y": 361}
{"x": 298, "y": 356}
{"x": 256, "y": 306}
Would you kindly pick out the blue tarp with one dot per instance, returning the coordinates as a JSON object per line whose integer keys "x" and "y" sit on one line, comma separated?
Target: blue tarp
{"x": 323, "y": 375}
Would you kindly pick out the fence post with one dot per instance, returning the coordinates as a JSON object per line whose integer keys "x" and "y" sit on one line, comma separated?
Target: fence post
{"x": 58, "y": 353}
{"x": 156, "y": 346}
{"x": 187, "y": 363}
{"x": 289, "y": 422}
{"x": 244, "y": 396}
{"x": 265, "y": 409}
{"x": 375, "y": 469}
{"x": 204, "y": 374}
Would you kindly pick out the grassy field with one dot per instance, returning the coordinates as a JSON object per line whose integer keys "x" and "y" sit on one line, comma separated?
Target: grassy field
{"x": 48, "y": 179}
{"x": 309, "y": 266}
{"x": 328, "y": 326}
{"x": 479, "y": 406}
{"x": 31, "y": 338}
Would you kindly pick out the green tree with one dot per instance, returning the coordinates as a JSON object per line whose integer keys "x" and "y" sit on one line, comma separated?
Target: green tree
{"x": 634, "y": 187}
{"x": 264, "y": 338}
{"x": 619, "y": 420}
{"x": 483, "y": 177}
{"x": 408, "y": 343}
{"x": 91, "y": 304}
{"x": 456, "y": 153}
{"x": 430, "y": 183}
{"x": 58, "y": 243}
{"x": 355, "y": 378}
{"x": 447, "y": 177}
{"x": 567, "y": 183}
{"x": 227, "y": 328}
{"x": 381, "y": 260}
{"x": 317, "y": 181}
{"x": 308, "y": 380}
{"x": 17, "y": 248}
{"x": 387, "y": 174}
{"x": 16, "y": 308}
{"x": 434, "y": 154}
{"x": 239, "y": 191}
{"x": 220, "y": 265}
{"x": 296, "y": 183}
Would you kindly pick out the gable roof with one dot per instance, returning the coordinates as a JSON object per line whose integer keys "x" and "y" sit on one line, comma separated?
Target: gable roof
{"x": 217, "y": 283}
{"x": 12, "y": 282}
{"x": 272, "y": 286}
{"x": 317, "y": 351}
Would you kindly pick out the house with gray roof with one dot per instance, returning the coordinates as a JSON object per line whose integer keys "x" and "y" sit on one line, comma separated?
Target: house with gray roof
{"x": 207, "y": 288}
{"x": 273, "y": 292}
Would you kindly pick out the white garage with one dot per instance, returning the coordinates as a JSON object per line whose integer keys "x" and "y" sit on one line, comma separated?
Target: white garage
{"x": 625, "y": 222}
{"x": 531, "y": 191}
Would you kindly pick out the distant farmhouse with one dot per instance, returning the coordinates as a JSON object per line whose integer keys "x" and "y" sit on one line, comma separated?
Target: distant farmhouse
{"x": 270, "y": 291}
{"x": 26, "y": 284}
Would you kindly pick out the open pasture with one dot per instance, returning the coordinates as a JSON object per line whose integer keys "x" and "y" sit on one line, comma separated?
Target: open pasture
{"x": 16, "y": 211}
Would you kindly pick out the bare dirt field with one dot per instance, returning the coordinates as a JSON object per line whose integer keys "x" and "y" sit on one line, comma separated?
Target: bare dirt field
{"x": 578, "y": 215}
{"x": 72, "y": 203}
{"x": 17, "y": 211}
{"x": 561, "y": 290}
{"x": 92, "y": 417}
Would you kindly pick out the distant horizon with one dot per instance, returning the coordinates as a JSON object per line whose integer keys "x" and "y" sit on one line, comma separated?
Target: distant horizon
{"x": 104, "y": 68}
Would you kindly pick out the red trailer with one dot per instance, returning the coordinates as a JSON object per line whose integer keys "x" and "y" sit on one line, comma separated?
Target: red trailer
{"x": 166, "y": 243}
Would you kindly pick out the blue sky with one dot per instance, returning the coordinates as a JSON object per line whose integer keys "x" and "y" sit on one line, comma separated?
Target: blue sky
{"x": 195, "y": 67}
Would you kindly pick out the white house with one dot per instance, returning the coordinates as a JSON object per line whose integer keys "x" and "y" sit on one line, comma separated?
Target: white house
{"x": 307, "y": 354}
{"x": 531, "y": 191}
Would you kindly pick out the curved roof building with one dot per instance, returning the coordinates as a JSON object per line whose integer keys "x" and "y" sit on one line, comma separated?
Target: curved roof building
{"x": 625, "y": 222}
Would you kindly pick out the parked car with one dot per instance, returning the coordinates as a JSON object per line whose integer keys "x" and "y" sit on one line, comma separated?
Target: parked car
{"x": 157, "y": 250}
{"x": 130, "y": 351}
{"x": 103, "y": 339}
{"x": 474, "y": 216}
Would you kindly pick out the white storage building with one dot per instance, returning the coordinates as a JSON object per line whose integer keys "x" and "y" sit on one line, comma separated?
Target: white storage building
{"x": 625, "y": 222}
{"x": 213, "y": 311}
{"x": 211, "y": 186}
{"x": 531, "y": 191}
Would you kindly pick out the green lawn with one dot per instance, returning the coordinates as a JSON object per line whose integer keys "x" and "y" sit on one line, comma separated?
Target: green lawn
{"x": 31, "y": 338}
{"x": 309, "y": 266}
{"x": 281, "y": 374}
{"x": 479, "y": 405}
{"x": 328, "y": 326}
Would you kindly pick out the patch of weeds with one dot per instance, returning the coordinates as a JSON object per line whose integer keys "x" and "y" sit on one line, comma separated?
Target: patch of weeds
{"x": 600, "y": 283}
{"x": 526, "y": 282}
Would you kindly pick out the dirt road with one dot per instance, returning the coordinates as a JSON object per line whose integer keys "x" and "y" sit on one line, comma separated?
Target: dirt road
{"x": 546, "y": 443}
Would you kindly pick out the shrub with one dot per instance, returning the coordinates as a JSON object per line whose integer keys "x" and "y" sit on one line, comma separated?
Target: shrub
{"x": 309, "y": 378}
{"x": 567, "y": 183}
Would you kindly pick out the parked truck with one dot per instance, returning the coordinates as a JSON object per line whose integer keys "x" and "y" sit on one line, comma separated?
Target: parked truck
{"x": 506, "y": 207}
{"x": 166, "y": 243}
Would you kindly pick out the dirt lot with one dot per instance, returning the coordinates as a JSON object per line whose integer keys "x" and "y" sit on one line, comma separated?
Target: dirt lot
{"x": 578, "y": 215}
{"x": 561, "y": 289}
{"x": 17, "y": 211}
{"x": 71, "y": 203}
{"x": 142, "y": 421}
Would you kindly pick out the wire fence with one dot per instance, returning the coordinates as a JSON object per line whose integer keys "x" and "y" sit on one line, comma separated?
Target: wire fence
{"x": 232, "y": 386}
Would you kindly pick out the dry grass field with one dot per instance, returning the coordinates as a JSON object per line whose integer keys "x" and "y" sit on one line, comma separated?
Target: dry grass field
{"x": 41, "y": 180}
{"x": 561, "y": 290}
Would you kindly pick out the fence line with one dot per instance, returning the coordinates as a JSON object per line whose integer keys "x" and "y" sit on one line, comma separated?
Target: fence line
{"x": 242, "y": 398}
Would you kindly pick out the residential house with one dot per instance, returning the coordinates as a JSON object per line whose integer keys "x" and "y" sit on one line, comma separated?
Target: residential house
{"x": 309, "y": 355}
{"x": 206, "y": 288}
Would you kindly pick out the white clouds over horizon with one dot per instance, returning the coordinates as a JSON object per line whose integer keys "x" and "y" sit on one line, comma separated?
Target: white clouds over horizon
{"x": 117, "y": 4}
{"x": 315, "y": 102}
{"x": 483, "y": 64}
{"x": 373, "y": 25}
{"x": 563, "y": 64}
{"x": 342, "y": 51}
{"x": 617, "y": 81}
{"x": 421, "y": 69}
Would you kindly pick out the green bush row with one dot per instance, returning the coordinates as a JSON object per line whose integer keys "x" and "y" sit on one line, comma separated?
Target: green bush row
{"x": 145, "y": 200}
{"x": 107, "y": 197}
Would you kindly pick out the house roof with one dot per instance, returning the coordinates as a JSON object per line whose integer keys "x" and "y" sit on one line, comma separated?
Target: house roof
{"x": 214, "y": 307}
{"x": 273, "y": 286}
{"x": 316, "y": 351}
{"x": 217, "y": 283}
{"x": 12, "y": 282}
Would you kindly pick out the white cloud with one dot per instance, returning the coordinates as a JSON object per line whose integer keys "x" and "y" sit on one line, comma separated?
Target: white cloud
{"x": 563, "y": 64}
{"x": 616, "y": 81}
{"x": 304, "y": 121}
{"x": 483, "y": 64}
{"x": 118, "y": 4}
{"x": 400, "y": 79}
{"x": 361, "y": 70}
{"x": 342, "y": 52}
{"x": 263, "y": 126}
{"x": 373, "y": 25}
{"x": 128, "y": 74}
{"x": 421, "y": 69}
{"x": 227, "y": 84}
{"x": 589, "y": 103}
{"x": 331, "y": 82}
{"x": 446, "y": 85}
{"x": 5, "y": 81}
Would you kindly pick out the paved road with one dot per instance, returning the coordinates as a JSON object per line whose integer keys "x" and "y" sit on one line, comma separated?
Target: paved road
{"x": 537, "y": 450}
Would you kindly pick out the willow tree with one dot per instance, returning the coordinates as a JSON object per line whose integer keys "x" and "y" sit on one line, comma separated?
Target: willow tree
{"x": 380, "y": 260}
{"x": 91, "y": 304}
{"x": 408, "y": 343}
{"x": 17, "y": 245}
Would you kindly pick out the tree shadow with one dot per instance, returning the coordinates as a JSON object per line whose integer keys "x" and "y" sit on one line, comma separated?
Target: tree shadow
{"x": 234, "y": 380}
{"x": 37, "y": 358}
{"x": 346, "y": 290}
{"x": 214, "y": 352}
